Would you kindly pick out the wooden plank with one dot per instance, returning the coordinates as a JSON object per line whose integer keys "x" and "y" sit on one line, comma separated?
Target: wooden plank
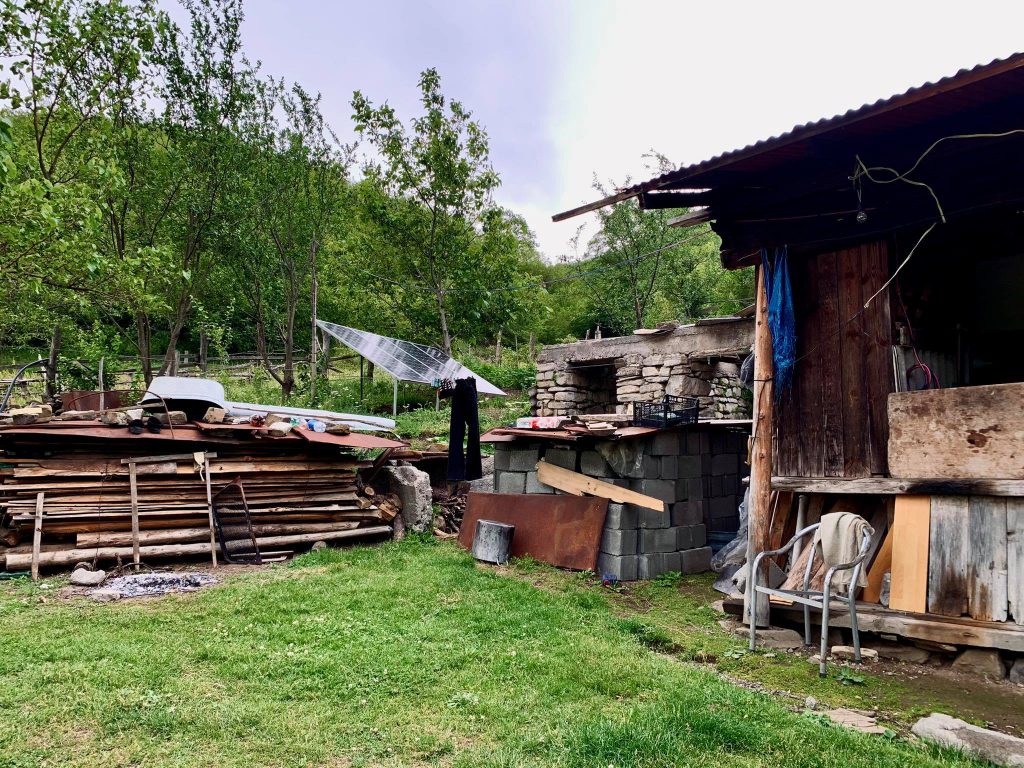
{"x": 578, "y": 485}
{"x": 906, "y": 486}
{"x": 909, "y": 589}
{"x": 37, "y": 536}
{"x": 759, "y": 511}
{"x": 883, "y": 564}
{"x": 1015, "y": 558}
{"x": 987, "y": 571}
{"x": 949, "y": 556}
{"x": 966, "y": 432}
{"x": 133, "y": 480}
{"x": 878, "y": 368}
{"x": 852, "y": 363}
{"x": 829, "y": 333}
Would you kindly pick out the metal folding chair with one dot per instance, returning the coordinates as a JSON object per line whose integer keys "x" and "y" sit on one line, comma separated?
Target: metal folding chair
{"x": 823, "y": 601}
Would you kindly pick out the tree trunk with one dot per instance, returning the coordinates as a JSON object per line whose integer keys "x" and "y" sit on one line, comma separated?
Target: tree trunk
{"x": 313, "y": 288}
{"x": 143, "y": 336}
{"x": 533, "y": 347}
{"x": 446, "y": 339}
{"x": 369, "y": 372}
{"x": 180, "y": 315}
{"x": 204, "y": 351}
{"x": 51, "y": 364}
{"x": 497, "y": 349}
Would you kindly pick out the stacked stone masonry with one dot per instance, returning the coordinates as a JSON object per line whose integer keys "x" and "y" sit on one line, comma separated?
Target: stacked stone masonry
{"x": 696, "y": 471}
{"x": 609, "y": 375}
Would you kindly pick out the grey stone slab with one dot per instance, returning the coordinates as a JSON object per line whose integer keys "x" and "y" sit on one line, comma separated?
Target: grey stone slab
{"x": 621, "y": 517}
{"x": 657, "y": 540}
{"x": 620, "y": 568}
{"x": 592, "y": 464}
{"x": 998, "y": 748}
{"x": 619, "y": 542}
{"x": 510, "y": 482}
{"x": 562, "y": 457}
{"x": 696, "y": 560}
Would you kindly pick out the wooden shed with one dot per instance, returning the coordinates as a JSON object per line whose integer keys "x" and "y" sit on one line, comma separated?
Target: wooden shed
{"x": 903, "y": 228}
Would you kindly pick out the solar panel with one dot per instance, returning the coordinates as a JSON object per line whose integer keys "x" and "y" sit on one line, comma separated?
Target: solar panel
{"x": 405, "y": 360}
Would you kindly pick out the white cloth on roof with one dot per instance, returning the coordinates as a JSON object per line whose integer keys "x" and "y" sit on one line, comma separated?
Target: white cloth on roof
{"x": 837, "y": 541}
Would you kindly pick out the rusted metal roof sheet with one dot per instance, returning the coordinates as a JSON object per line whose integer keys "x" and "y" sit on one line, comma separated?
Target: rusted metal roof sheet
{"x": 966, "y": 90}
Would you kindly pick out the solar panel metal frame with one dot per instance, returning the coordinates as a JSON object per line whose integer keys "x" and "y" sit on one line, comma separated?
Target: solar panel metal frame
{"x": 405, "y": 360}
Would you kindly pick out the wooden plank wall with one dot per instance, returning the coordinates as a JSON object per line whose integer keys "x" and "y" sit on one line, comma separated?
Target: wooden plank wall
{"x": 975, "y": 558}
{"x": 833, "y": 423}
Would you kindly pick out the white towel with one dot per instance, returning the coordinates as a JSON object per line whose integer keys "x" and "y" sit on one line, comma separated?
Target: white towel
{"x": 837, "y": 541}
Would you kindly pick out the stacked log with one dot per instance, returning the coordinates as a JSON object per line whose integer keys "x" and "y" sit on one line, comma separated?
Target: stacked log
{"x": 298, "y": 492}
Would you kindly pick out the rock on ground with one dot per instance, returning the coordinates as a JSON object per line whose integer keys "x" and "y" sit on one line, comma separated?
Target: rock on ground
{"x": 105, "y": 595}
{"x": 486, "y": 483}
{"x": 775, "y": 637}
{"x": 1017, "y": 671}
{"x": 83, "y": 577}
{"x": 413, "y": 488}
{"x": 897, "y": 652}
{"x": 847, "y": 653}
{"x": 981, "y": 661}
{"x": 998, "y": 748}
{"x": 857, "y": 720}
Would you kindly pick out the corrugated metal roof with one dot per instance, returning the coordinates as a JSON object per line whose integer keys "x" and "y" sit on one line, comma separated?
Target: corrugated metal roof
{"x": 953, "y": 89}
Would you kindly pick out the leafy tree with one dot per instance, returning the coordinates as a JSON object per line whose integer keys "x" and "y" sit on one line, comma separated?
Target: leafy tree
{"x": 440, "y": 164}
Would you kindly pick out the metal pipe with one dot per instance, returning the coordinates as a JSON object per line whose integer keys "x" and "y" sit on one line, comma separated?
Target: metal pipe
{"x": 394, "y": 405}
{"x": 10, "y": 387}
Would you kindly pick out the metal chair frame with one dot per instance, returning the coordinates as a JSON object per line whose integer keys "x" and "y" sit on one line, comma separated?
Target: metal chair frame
{"x": 823, "y": 600}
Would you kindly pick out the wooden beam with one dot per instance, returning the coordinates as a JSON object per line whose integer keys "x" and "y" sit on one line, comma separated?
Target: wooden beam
{"x": 910, "y": 531}
{"x": 692, "y": 219}
{"x": 618, "y": 197}
{"x": 759, "y": 514}
{"x": 37, "y": 536}
{"x": 133, "y": 481}
{"x": 882, "y": 565}
{"x": 895, "y": 487}
{"x": 660, "y": 200}
{"x": 578, "y": 485}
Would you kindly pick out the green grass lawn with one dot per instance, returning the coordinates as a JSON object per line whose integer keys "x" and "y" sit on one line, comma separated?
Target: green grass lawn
{"x": 402, "y": 654}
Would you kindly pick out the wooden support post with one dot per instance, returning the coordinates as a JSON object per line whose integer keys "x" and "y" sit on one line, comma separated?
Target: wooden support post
{"x": 37, "y": 536}
{"x": 134, "y": 489}
{"x": 758, "y": 520}
{"x": 209, "y": 507}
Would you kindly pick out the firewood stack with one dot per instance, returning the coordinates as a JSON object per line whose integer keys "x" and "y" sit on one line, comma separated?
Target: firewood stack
{"x": 74, "y": 478}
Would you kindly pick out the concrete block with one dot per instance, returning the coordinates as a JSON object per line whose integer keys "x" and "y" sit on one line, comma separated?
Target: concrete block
{"x": 684, "y": 536}
{"x": 619, "y": 542}
{"x": 697, "y": 442}
{"x": 649, "y": 566}
{"x": 688, "y": 467}
{"x": 621, "y": 517}
{"x": 666, "y": 444}
{"x": 694, "y": 489}
{"x": 561, "y": 457}
{"x": 651, "y": 467}
{"x": 533, "y": 485}
{"x": 510, "y": 482}
{"x": 723, "y": 506}
{"x": 673, "y": 562}
{"x": 620, "y": 568}
{"x": 696, "y": 560}
{"x": 657, "y": 540}
{"x": 502, "y": 457}
{"x": 649, "y": 518}
{"x": 592, "y": 464}
{"x": 523, "y": 459}
{"x": 698, "y": 535}
{"x": 658, "y": 489}
{"x": 687, "y": 513}
{"x": 669, "y": 469}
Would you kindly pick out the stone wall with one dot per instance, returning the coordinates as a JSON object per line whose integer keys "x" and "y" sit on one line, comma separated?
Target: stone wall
{"x": 696, "y": 471}
{"x": 608, "y": 375}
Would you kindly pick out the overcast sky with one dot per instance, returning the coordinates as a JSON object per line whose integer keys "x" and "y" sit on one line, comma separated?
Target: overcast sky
{"x": 570, "y": 88}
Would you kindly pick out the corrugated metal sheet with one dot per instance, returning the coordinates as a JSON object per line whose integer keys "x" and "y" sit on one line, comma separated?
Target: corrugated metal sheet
{"x": 967, "y": 89}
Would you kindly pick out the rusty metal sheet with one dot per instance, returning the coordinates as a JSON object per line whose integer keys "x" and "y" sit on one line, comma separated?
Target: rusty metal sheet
{"x": 559, "y": 530}
{"x": 352, "y": 440}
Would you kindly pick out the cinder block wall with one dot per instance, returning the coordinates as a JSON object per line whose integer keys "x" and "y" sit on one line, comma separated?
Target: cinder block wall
{"x": 696, "y": 471}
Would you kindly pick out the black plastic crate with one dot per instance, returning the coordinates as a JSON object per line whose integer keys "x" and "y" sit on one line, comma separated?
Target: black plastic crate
{"x": 667, "y": 412}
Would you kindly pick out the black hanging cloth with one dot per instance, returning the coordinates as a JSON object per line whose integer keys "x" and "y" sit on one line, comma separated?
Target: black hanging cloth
{"x": 464, "y": 463}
